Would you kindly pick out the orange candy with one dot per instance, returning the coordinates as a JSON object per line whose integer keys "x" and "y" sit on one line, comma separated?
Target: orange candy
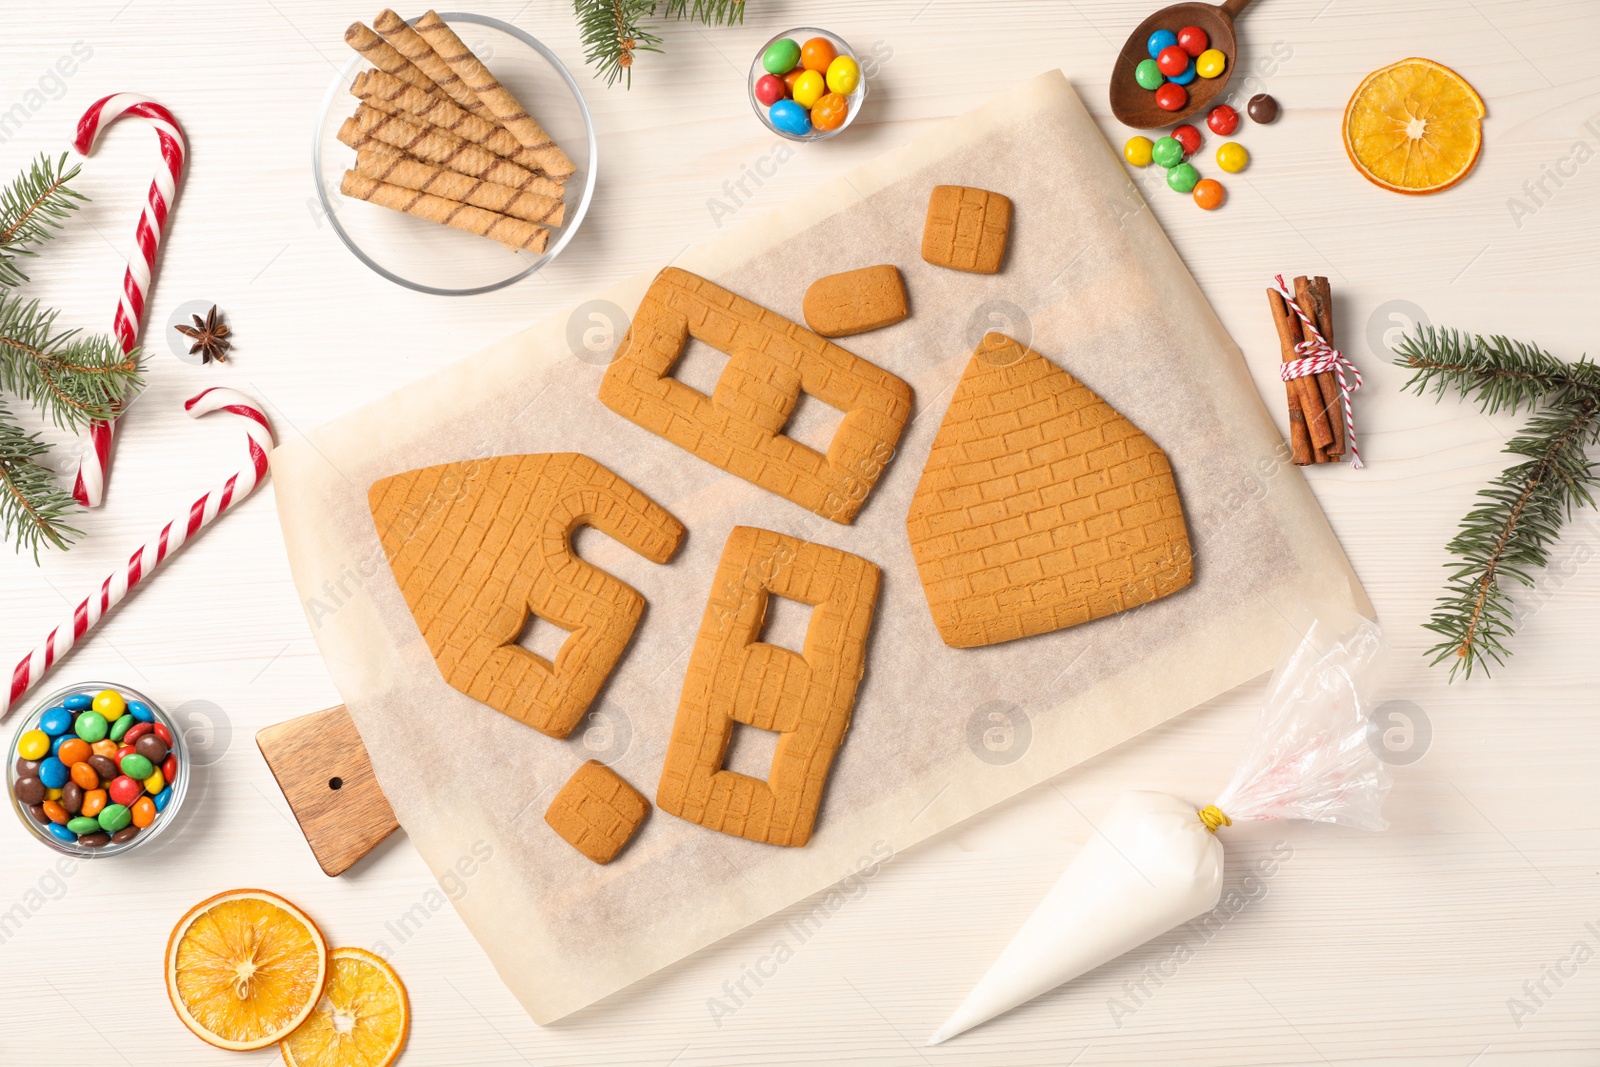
{"x": 144, "y": 812}
{"x": 104, "y": 747}
{"x": 56, "y": 813}
{"x": 817, "y": 53}
{"x": 789, "y": 80}
{"x": 84, "y": 775}
{"x": 829, "y": 112}
{"x": 73, "y": 750}
{"x": 94, "y": 802}
{"x": 1209, "y": 194}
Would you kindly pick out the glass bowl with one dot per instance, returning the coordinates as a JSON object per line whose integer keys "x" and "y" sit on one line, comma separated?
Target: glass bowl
{"x": 802, "y": 34}
{"x": 426, "y": 256}
{"x": 169, "y": 814}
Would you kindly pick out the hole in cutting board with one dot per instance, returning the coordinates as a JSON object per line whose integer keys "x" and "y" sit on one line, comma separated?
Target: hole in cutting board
{"x": 813, "y": 423}
{"x": 543, "y": 638}
{"x": 700, "y": 366}
{"x": 335, "y": 783}
{"x": 786, "y": 624}
{"x": 751, "y": 751}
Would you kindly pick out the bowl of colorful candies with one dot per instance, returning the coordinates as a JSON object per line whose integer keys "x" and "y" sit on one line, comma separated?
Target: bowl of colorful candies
{"x": 806, "y": 84}
{"x": 96, "y": 769}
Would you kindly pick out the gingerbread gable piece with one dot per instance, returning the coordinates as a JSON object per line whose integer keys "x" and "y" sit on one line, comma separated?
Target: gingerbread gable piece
{"x": 1040, "y": 506}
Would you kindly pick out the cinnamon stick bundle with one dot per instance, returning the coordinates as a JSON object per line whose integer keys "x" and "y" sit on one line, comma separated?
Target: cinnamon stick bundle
{"x": 515, "y": 234}
{"x": 1316, "y": 412}
{"x": 1316, "y": 300}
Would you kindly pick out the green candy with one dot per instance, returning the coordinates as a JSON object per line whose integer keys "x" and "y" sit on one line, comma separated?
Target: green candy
{"x": 1148, "y": 75}
{"x": 120, "y": 727}
{"x": 780, "y": 57}
{"x": 137, "y": 767}
{"x": 1183, "y": 178}
{"x": 83, "y": 824}
{"x": 114, "y": 817}
{"x": 1166, "y": 152}
{"x": 91, "y": 726}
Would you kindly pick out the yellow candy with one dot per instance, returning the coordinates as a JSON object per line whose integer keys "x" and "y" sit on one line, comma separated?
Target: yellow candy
{"x": 1211, "y": 63}
{"x": 843, "y": 75}
{"x": 35, "y": 744}
{"x": 155, "y": 783}
{"x": 52, "y": 794}
{"x": 808, "y": 89}
{"x": 1232, "y": 157}
{"x": 109, "y": 703}
{"x": 1137, "y": 151}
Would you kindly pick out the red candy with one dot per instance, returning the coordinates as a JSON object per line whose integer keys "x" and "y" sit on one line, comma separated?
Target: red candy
{"x": 136, "y": 731}
{"x": 1193, "y": 40}
{"x": 769, "y": 90}
{"x": 1172, "y": 61}
{"x": 1172, "y": 97}
{"x": 1223, "y": 120}
{"x": 122, "y": 753}
{"x": 160, "y": 728}
{"x": 169, "y": 768}
{"x": 1189, "y": 137}
{"x": 125, "y": 790}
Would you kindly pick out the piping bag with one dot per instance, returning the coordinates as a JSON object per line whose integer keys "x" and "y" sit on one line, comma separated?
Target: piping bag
{"x": 1155, "y": 860}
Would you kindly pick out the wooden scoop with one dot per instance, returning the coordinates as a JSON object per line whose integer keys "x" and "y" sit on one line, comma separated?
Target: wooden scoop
{"x": 1135, "y": 106}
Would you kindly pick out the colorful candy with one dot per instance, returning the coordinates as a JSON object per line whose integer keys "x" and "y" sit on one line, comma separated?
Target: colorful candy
{"x": 817, "y": 53}
{"x": 829, "y": 112}
{"x": 780, "y": 56}
{"x": 806, "y": 87}
{"x": 1183, "y": 178}
{"x": 770, "y": 89}
{"x": 1148, "y": 75}
{"x": 809, "y": 88}
{"x": 1172, "y": 97}
{"x": 1185, "y": 76}
{"x": 1167, "y": 152}
{"x": 1189, "y": 137}
{"x": 1193, "y": 39}
{"x": 844, "y": 74}
{"x": 1210, "y": 63}
{"x": 1263, "y": 108}
{"x": 1160, "y": 41}
{"x": 1232, "y": 157}
{"x": 1137, "y": 151}
{"x": 1208, "y": 193}
{"x": 1172, "y": 60}
{"x": 790, "y": 117}
{"x": 81, "y": 786}
{"x": 1223, "y": 120}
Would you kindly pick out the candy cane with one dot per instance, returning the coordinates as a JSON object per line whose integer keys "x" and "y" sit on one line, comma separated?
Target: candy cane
{"x": 91, "y": 485}
{"x": 173, "y": 536}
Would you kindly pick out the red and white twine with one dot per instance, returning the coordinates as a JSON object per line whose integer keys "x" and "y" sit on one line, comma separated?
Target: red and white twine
{"x": 1317, "y": 356}
{"x": 171, "y": 537}
{"x": 90, "y": 487}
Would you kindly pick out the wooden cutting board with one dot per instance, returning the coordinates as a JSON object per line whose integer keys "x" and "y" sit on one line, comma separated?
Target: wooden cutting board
{"x": 326, "y": 776}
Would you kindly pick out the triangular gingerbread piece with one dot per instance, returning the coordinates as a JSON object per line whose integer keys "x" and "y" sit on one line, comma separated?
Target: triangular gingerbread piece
{"x": 1040, "y": 506}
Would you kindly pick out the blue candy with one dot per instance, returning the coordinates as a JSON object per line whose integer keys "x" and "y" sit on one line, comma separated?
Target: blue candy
{"x": 55, "y": 745}
{"x": 1159, "y": 40}
{"x": 162, "y": 797}
{"x": 53, "y": 773}
{"x": 141, "y": 711}
{"x": 790, "y": 117}
{"x": 78, "y": 702}
{"x": 61, "y": 833}
{"x": 1185, "y": 78}
{"x": 56, "y": 721}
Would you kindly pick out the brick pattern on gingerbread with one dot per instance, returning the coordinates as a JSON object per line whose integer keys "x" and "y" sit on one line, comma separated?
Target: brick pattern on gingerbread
{"x": 1040, "y": 506}
{"x": 734, "y": 677}
{"x": 597, "y": 811}
{"x": 739, "y": 428}
{"x": 966, "y": 229}
{"x": 477, "y": 547}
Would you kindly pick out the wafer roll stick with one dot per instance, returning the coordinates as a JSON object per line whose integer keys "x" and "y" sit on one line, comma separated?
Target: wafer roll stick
{"x": 493, "y": 95}
{"x": 539, "y": 186}
{"x": 395, "y": 97}
{"x": 381, "y": 54}
{"x": 515, "y": 234}
{"x": 410, "y": 44}
{"x": 436, "y": 146}
{"x": 399, "y": 170}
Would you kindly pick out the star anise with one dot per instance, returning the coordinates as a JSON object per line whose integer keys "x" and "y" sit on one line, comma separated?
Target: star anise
{"x": 209, "y": 335}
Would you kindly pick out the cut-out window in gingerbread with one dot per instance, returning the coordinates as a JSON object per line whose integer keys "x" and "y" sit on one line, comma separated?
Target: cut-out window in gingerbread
{"x": 739, "y": 427}
{"x": 734, "y": 677}
{"x": 477, "y": 547}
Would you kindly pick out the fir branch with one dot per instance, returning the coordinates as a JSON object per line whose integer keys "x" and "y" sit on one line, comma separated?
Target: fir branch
{"x": 33, "y": 506}
{"x": 1499, "y": 374}
{"x": 31, "y": 210}
{"x": 612, "y": 31}
{"x": 707, "y": 12}
{"x": 72, "y": 379}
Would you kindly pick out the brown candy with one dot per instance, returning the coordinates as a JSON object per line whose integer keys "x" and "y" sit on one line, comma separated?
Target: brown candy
{"x": 151, "y": 748}
{"x": 127, "y": 833}
{"x": 29, "y": 790}
{"x": 1262, "y": 108}
{"x": 100, "y": 840}
{"x": 27, "y": 768}
{"x": 104, "y": 768}
{"x": 72, "y": 798}
{"x": 37, "y": 811}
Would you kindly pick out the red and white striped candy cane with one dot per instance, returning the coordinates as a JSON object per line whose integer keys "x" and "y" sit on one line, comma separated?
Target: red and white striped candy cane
{"x": 150, "y": 555}
{"x": 1317, "y": 355}
{"x": 91, "y": 485}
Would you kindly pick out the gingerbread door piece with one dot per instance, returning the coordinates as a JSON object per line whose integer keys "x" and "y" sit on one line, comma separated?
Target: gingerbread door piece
{"x": 478, "y": 547}
{"x": 966, "y": 229}
{"x": 597, "y": 811}
{"x": 1040, "y": 506}
{"x": 739, "y": 428}
{"x": 735, "y": 677}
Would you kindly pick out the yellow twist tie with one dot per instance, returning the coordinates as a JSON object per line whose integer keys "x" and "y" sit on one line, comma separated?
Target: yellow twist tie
{"x": 1213, "y": 817}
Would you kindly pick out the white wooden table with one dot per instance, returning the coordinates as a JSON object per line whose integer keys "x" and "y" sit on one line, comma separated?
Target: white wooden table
{"x": 1406, "y": 946}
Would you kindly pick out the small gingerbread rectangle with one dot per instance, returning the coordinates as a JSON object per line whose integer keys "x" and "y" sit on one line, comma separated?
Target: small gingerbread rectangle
{"x": 966, "y": 229}
{"x": 597, "y": 811}
{"x": 856, "y": 301}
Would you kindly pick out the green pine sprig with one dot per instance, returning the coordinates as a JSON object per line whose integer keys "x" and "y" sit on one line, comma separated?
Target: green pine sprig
{"x": 613, "y": 30}
{"x": 71, "y": 378}
{"x": 1510, "y": 533}
{"x": 31, "y": 211}
{"x": 706, "y": 12}
{"x": 33, "y": 505}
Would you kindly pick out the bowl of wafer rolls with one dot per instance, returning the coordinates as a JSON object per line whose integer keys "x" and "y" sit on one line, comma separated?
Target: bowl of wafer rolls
{"x": 454, "y": 154}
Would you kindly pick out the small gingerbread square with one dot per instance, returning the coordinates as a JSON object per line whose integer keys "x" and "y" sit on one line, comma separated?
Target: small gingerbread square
{"x": 596, "y": 812}
{"x": 966, "y": 229}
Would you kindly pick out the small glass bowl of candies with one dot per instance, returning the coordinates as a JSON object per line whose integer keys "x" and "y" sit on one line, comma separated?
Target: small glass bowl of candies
{"x": 96, "y": 769}
{"x": 806, "y": 84}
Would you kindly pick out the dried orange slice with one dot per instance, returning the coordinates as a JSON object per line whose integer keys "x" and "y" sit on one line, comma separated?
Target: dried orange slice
{"x": 1414, "y": 127}
{"x": 361, "y": 1021}
{"x": 244, "y": 968}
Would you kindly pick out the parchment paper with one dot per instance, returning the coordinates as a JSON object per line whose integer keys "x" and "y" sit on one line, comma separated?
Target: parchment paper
{"x": 939, "y": 734}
